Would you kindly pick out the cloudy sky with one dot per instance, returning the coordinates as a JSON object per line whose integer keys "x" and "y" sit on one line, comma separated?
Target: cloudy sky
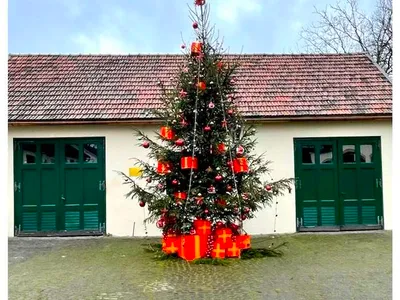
{"x": 155, "y": 26}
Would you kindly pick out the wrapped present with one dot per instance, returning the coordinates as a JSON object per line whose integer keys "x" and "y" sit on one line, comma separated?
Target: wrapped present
{"x": 170, "y": 243}
{"x": 167, "y": 133}
{"x": 196, "y": 48}
{"x": 233, "y": 251}
{"x": 164, "y": 167}
{"x": 218, "y": 251}
{"x": 192, "y": 247}
{"x": 243, "y": 241}
{"x": 189, "y": 162}
{"x": 223, "y": 236}
{"x": 240, "y": 165}
{"x": 203, "y": 227}
{"x": 180, "y": 195}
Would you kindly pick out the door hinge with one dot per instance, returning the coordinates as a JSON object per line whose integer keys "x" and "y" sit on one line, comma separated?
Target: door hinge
{"x": 378, "y": 182}
{"x": 102, "y": 185}
{"x": 17, "y": 186}
{"x": 297, "y": 183}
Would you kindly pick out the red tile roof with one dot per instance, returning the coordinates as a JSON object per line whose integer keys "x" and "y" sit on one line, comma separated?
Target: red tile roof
{"x": 124, "y": 87}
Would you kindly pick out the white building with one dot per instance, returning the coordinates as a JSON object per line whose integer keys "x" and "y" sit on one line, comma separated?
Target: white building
{"x": 324, "y": 119}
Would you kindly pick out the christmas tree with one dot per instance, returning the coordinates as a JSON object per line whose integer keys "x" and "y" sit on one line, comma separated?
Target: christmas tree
{"x": 206, "y": 169}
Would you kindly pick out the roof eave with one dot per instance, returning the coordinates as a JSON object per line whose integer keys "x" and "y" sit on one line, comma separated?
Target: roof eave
{"x": 158, "y": 121}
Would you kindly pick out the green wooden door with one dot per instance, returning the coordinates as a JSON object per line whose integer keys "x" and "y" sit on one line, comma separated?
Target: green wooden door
{"x": 59, "y": 185}
{"x": 338, "y": 183}
{"x": 316, "y": 183}
{"x": 360, "y": 182}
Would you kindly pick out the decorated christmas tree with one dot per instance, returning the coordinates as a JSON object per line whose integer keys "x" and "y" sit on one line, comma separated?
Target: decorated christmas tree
{"x": 206, "y": 180}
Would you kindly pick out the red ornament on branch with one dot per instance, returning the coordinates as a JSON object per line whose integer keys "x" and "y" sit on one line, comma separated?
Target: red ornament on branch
{"x": 175, "y": 182}
{"x": 268, "y": 187}
{"x": 183, "y": 46}
{"x": 239, "y": 150}
{"x": 142, "y": 203}
{"x": 221, "y": 148}
{"x": 180, "y": 142}
{"x": 146, "y": 144}
{"x": 196, "y": 48}
{"x": 201, "y": 85}
{"x": 220, "y": 65}
{"x": 207, "y": 128}
{"x": 218, "y": 178}
{"x": 195, "y": 25}
{"x": 199, "y": 2}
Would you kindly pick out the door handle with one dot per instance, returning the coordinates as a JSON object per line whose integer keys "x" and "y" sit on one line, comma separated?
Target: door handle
{"x": 62, "y": 198}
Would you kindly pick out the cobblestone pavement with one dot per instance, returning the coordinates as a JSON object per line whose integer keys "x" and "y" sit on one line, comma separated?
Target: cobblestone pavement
{"x": 315, "y": 266}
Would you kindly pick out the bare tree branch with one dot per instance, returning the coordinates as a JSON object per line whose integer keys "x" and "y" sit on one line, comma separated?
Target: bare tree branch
{"x": 345, "y": 28}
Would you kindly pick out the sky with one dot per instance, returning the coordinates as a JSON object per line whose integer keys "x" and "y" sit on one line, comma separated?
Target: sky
{"x": 155, "y": 26}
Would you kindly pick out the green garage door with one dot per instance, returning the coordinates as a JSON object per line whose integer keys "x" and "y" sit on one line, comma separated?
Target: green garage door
{"x": 59, "y": 186}
{"x": 338, "y": 183}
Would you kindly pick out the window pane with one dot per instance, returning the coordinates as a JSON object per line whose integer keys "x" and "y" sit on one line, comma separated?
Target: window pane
{"x": 71, "y": 153}
{"x": 48, "y": 154}
{"x": 28, "y": 153}
{"x": 308, "y": 155}
{"x": 349, "y": 155}
{"x": 90, "y": 153}
{"x": 366, "y": 153}
{"x": 326, "y": 154}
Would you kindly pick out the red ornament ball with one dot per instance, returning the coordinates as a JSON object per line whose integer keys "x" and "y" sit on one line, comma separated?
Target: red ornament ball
{"x": 183, "y": 46}
{"x": 146, "y": 144}
{"x": 230, "y": 111}
{"x": 142, "y": 203}
{"x": 268, "y": 187}
{"x": 192, "y": 231}
{"x": 195, "y": 25}
{"x": 199, "y": 2}
{"x": 218, "y": 177}
{"x": 206, "y": 211}
{"x": 148, "y": 180}
{"x": 229, "y": 188}
{"x": 243, "y": 217}
{"x": 174, "y": 182}
{"x": 247, "y": 210}
{"x": 207, "y": 128}
{"x": 201, "y": 85}
{"x": 240, "y": 150}
{"x": 160, "y": 223}
{"x": 219, "y": 224}
{"x": 180, "y": 142}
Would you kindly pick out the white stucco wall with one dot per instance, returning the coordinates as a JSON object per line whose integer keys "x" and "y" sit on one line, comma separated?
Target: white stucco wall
{"x": 274, "y": 138}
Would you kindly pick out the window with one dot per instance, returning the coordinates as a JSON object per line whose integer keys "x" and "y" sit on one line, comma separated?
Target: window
{"x": 366, "y": 153}
{"x": 48, "y": 154}
{"x": 349, "y": 154}
{"x": 326, "y": 154}
{"x": 308, "y": 155}
{"x": 71, "y": 153}
{"x": 90, "y": 153}
{"x": 28, "y": 153}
